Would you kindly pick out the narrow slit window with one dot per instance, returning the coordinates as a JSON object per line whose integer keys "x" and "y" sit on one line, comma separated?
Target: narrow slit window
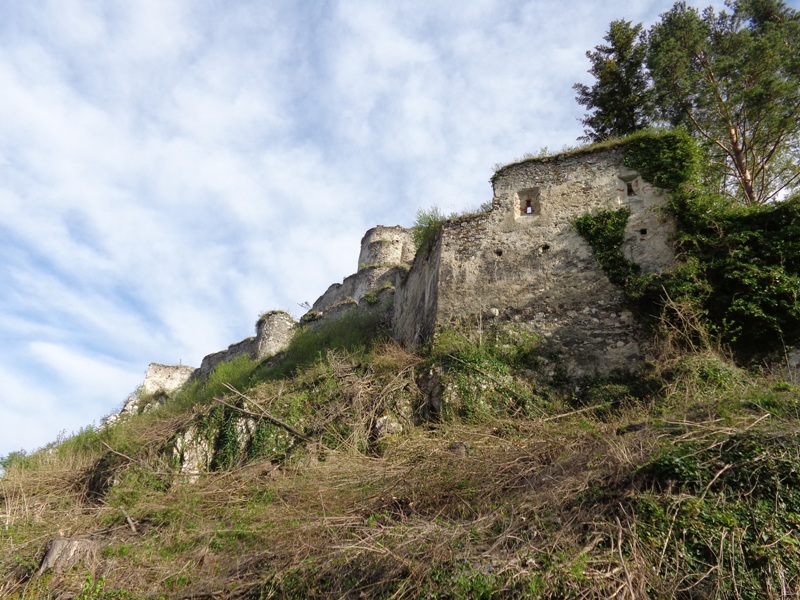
{"x": 529, "y": 204}
{"x": 631, "y": 191}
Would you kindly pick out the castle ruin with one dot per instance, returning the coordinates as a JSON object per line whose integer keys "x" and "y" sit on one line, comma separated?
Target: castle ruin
{"x": 521, "y": 264}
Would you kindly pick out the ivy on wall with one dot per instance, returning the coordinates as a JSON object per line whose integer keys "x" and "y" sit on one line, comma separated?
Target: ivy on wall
{"x": 605, "y": 233}
{"x": 667, "y": 159}
{"x": 739, "y": 267}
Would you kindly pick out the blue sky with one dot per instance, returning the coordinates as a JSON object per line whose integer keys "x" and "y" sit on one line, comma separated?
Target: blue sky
{"x": 170, "y": 169}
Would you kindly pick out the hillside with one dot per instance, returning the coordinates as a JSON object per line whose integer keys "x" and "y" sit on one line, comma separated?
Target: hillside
{"x": 480, "y": 464}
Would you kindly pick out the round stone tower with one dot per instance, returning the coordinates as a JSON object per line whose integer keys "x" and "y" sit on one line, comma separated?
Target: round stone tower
{"x": 386, "y": 246}
{"x": 274, "y": 332}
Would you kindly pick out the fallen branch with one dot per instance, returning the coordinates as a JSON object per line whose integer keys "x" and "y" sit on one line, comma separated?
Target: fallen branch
{"x": 263, "y": 415}
{"x": 576, "y": 412}
{"x": 128, "y": 519}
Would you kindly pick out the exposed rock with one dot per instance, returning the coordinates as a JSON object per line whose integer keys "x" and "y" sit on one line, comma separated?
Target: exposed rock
{"x": 386, "y": 425}
{"x": 193, "y": 452}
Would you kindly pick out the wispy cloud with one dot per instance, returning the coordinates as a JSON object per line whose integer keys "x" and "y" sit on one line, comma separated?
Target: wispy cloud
{"x": 169, "y": 170}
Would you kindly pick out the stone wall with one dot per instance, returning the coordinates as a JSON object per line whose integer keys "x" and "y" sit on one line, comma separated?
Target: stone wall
{"x": 274, "y": 333}
{"x": 414, "y": 315}
{"x": 165, "y": 379}
{"x": 385, "y": 257}
{"x": 524, "y": 264}
{"x": 386, "y": 246}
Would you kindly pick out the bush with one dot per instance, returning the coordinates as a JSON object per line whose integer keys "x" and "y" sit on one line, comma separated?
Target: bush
{"x": 426, "y": 228}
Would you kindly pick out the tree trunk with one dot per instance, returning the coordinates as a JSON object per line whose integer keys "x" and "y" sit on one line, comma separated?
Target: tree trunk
{"x": 740, "y": 162}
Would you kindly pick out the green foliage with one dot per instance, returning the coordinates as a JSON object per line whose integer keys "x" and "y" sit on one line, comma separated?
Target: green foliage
{"x": 619, "y": 100}
{"x": 667, "y": 159}
{"x": 727, "y": 514}
{"x": 481, "y": 374}
{"x": 426, "y": 228}
{"x": 465, "y": 581}
{"x": 223, "y": 423}
{"x": 741, "y": 270}
{"x": 12, "y": 458}
{"x": 605, "y": 233}
{"x": 739, "y": 267}
{"x": 350, "y": 331}
{"x": 273, "y": 442}
{"x": 370, "y": 297}
{"x": 92, "y": 589}
{"x": 734, "y": 78}
{"x": 238, "y": 372}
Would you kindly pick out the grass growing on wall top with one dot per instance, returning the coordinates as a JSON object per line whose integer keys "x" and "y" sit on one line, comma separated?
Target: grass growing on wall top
{"x": 426, "y": 227}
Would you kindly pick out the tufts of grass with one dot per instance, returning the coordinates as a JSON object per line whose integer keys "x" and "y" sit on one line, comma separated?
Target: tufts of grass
{"x": 684, "y": 485}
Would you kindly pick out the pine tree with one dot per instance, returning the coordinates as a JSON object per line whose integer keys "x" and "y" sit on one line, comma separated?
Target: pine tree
{"x": 734, "y": 78}
{"x": 619, "y": 100}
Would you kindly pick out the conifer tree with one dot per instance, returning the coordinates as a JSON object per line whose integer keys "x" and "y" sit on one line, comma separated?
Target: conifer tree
{"x": 619, "y": 100}
{"x": 734, "y": 78}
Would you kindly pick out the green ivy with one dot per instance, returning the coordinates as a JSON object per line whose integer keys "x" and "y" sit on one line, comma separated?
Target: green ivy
{"x": 739, "y": 267}
{"x": 605, "y": 233}
{"x": 732, "y": 501}
{"x": 667, "y": 159}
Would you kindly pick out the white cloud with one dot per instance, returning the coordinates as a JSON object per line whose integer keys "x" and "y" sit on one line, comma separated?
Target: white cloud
{"x": 169, "y": 170}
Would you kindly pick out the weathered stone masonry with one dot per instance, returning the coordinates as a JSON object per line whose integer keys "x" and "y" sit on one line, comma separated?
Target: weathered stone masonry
{"x": 524, "y": 264}
{"x": 521, "y": 265}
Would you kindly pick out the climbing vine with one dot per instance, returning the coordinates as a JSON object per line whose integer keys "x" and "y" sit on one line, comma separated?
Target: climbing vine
{"x": 667, "y": 159}
{"x": 739, "y": 267}
{"x": 605, "y": 233}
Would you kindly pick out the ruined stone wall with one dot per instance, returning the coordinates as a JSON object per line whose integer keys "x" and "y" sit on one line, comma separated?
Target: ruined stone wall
{"x": 274, "y": 333}
{"x": 525, "y": 263}
{"x": 165, "y": 379}
{"x": 415, "y": 306}
{"x": 386, "y": 246}
{"x": 385, "y": 256}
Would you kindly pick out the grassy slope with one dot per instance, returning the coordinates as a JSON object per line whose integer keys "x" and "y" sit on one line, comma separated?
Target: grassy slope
{"x": 681, "y": 482}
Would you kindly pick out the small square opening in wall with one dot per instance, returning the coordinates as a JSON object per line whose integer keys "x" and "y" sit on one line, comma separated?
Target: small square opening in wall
{"x": 529, "y": 202}
{"x": 643, "y": 231}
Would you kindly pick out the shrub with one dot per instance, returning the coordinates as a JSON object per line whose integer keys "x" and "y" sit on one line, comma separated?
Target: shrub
{"x": 426, "y": 228}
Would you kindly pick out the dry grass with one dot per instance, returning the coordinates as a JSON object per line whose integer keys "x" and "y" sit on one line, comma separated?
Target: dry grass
{"x": 497, "y": 498}
{"x": 549, "y": 506}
